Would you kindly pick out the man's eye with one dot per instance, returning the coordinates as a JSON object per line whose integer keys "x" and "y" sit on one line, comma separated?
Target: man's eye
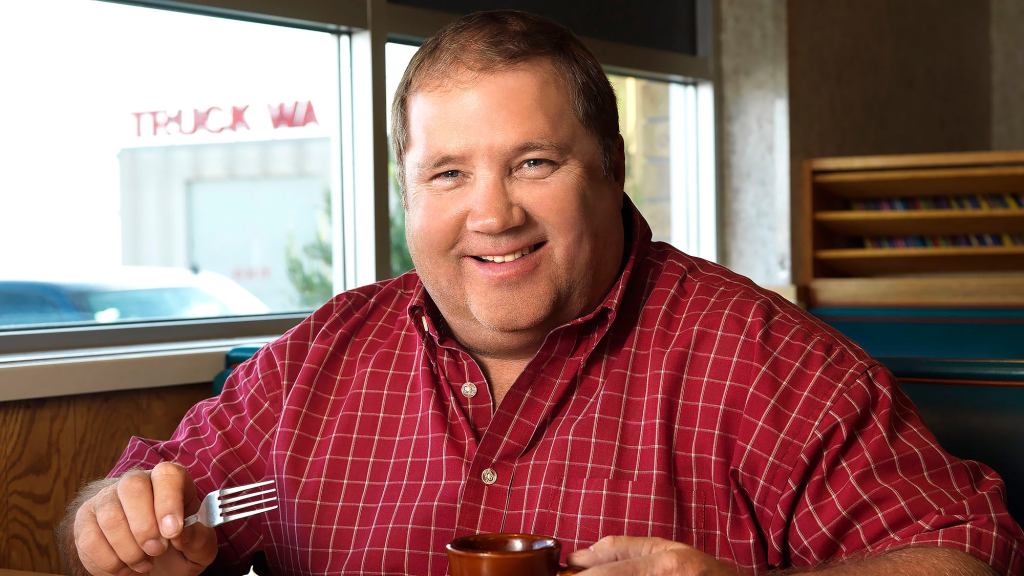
{"x": 449, "y": 174}
{"x": 536, "y": 168}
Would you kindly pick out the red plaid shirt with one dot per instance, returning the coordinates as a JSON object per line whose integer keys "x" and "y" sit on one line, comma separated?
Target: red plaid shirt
{"x": 689, "y": 405}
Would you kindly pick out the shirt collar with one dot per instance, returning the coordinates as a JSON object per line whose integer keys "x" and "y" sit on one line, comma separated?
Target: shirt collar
{"x": 637, "y": 235}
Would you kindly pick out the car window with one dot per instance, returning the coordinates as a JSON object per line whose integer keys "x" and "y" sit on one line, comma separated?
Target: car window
{"x": 25, "y": 307}
{"x": 115, "y": 305}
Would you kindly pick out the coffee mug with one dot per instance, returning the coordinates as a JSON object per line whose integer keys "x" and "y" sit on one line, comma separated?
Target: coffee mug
{"x": 506, "y": 555}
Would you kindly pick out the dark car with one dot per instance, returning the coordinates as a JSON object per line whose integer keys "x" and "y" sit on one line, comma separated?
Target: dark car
{"x": 122, "y": 294}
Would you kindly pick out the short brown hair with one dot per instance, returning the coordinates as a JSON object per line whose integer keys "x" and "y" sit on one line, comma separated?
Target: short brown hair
{"x": 498, "y": 39}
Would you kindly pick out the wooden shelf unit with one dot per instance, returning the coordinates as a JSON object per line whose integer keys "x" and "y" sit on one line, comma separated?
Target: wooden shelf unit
{"x": 851, "y": 207}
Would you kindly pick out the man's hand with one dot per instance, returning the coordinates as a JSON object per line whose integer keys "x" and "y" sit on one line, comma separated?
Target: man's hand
{"x": 630, "y": 556}
{"x": 134, "y": 525}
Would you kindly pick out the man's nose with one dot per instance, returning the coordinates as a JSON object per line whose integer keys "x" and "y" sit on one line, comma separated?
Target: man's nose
{"x": 493, "y": 209}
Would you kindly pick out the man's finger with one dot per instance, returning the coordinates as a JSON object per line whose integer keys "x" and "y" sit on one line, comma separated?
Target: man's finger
{"x": 172, "y": 488}
{"x": 111, "y": 519}
{"x": 631, "y": 567}
{"x": 135, "y": 491}
{"x": 619, "y": 548}
{"x": 96, "y": 554}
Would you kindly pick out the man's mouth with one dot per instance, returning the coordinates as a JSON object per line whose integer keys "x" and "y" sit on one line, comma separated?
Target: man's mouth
{"x": 503, "y": 258}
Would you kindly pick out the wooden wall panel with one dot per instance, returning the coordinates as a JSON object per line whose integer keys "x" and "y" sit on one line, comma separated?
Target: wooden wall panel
{"x": 38, "y": 440}
{"x": 50, "y": 447}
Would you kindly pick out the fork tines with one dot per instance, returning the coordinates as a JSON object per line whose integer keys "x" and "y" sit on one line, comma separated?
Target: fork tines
{"x": 226, "y": 491}
{"x": 243, "y": 504}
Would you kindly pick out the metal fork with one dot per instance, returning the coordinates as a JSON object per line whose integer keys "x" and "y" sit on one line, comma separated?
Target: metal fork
{"x": 216, "y": 509}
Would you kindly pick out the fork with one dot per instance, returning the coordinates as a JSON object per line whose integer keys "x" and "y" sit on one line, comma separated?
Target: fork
{"x": 217, "y": 508}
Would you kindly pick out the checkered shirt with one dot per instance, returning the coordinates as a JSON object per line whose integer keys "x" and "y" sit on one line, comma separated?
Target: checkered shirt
{"x": 690, "y": 405}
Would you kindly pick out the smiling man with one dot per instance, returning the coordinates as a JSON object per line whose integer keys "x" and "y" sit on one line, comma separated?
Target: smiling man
{"x": 547, "y": 368}
{"x": 513, "y": 219}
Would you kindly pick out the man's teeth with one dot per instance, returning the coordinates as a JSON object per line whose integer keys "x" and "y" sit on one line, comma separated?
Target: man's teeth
{"x": 507, "y": 257}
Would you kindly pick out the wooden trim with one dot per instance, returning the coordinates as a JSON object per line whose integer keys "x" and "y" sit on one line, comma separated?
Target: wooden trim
{"x": 954, "y": 290}
{"x": 803, "y": 260}
{"x": 952, "y": 382}
{"x": 894, "y": 161}
{"x": 903, "y": 253}
{"x": 921, "y": 182}
{"x": 908, "y": 222}
{"x": 919, "y": 174}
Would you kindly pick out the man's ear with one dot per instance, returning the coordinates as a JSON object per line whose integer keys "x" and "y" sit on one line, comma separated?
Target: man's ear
{"x": 618, "y": 166}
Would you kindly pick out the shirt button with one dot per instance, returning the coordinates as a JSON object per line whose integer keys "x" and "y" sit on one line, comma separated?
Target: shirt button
{"x": 469, "y": 389}
{"x": 489, "y": 476}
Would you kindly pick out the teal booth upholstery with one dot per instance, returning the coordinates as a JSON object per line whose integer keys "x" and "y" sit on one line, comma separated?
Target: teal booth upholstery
{"x": 963, "y": 369}
{"x": 974, "y": 333}
{"x": 234, "y": 357}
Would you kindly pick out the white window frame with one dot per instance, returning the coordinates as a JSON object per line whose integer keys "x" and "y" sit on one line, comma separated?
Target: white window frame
{"x": 56, "y": 361}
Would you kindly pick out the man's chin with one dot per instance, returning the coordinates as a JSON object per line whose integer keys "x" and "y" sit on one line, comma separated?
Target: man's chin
{"x": 510, "y": 318}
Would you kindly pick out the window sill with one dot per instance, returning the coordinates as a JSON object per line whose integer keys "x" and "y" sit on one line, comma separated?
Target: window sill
{"x": 85, "y": 371}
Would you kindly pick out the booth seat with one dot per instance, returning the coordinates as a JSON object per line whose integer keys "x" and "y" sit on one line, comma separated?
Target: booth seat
{"x": 963, "y": 333}
{"x": 963, "y": 369}
{"x": 233, "y": 358}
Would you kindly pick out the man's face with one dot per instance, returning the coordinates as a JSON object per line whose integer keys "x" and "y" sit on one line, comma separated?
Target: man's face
{"x": 511, "y": 222}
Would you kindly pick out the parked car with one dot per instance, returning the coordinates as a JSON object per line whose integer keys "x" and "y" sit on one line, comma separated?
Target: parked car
{"x": 122, "y": 294}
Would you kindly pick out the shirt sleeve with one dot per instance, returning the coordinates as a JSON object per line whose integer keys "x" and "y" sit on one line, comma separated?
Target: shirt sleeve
{"x": 224, "y": 441}
{"x": 872, "y": 478}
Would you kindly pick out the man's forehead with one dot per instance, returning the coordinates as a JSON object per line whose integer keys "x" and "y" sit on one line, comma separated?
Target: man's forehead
{"x": 463, "y": 75}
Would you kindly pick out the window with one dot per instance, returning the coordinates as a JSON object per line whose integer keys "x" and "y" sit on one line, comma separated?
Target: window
{"x": 209, "y": 170}
{"x": 669, "y": 142}
{"x": 396, "y": 59}
{"x": 164, "y": 165}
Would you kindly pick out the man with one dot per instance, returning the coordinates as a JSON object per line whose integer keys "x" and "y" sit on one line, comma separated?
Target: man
{"x": 548, "y": 369}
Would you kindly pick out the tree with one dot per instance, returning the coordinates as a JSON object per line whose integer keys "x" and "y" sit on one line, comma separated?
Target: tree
{"x": 310, "y": 268}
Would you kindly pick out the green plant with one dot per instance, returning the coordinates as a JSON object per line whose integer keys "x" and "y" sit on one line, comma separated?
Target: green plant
{"x": 309, "y": 267}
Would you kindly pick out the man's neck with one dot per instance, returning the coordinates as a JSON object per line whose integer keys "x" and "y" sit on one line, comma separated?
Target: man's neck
{"x": 501, "y": 374}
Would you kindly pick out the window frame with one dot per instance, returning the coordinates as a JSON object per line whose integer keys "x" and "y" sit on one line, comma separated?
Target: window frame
{"x": 363, "y": 218}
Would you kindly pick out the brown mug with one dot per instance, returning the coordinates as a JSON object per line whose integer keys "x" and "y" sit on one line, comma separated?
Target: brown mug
{"x": 506, "y": 555}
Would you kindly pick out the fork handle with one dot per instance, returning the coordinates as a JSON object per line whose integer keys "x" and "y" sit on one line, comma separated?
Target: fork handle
{"x": 193, "y": 519}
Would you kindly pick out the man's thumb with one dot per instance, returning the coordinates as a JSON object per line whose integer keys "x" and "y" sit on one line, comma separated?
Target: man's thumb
{"x": 197, "y": 543}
